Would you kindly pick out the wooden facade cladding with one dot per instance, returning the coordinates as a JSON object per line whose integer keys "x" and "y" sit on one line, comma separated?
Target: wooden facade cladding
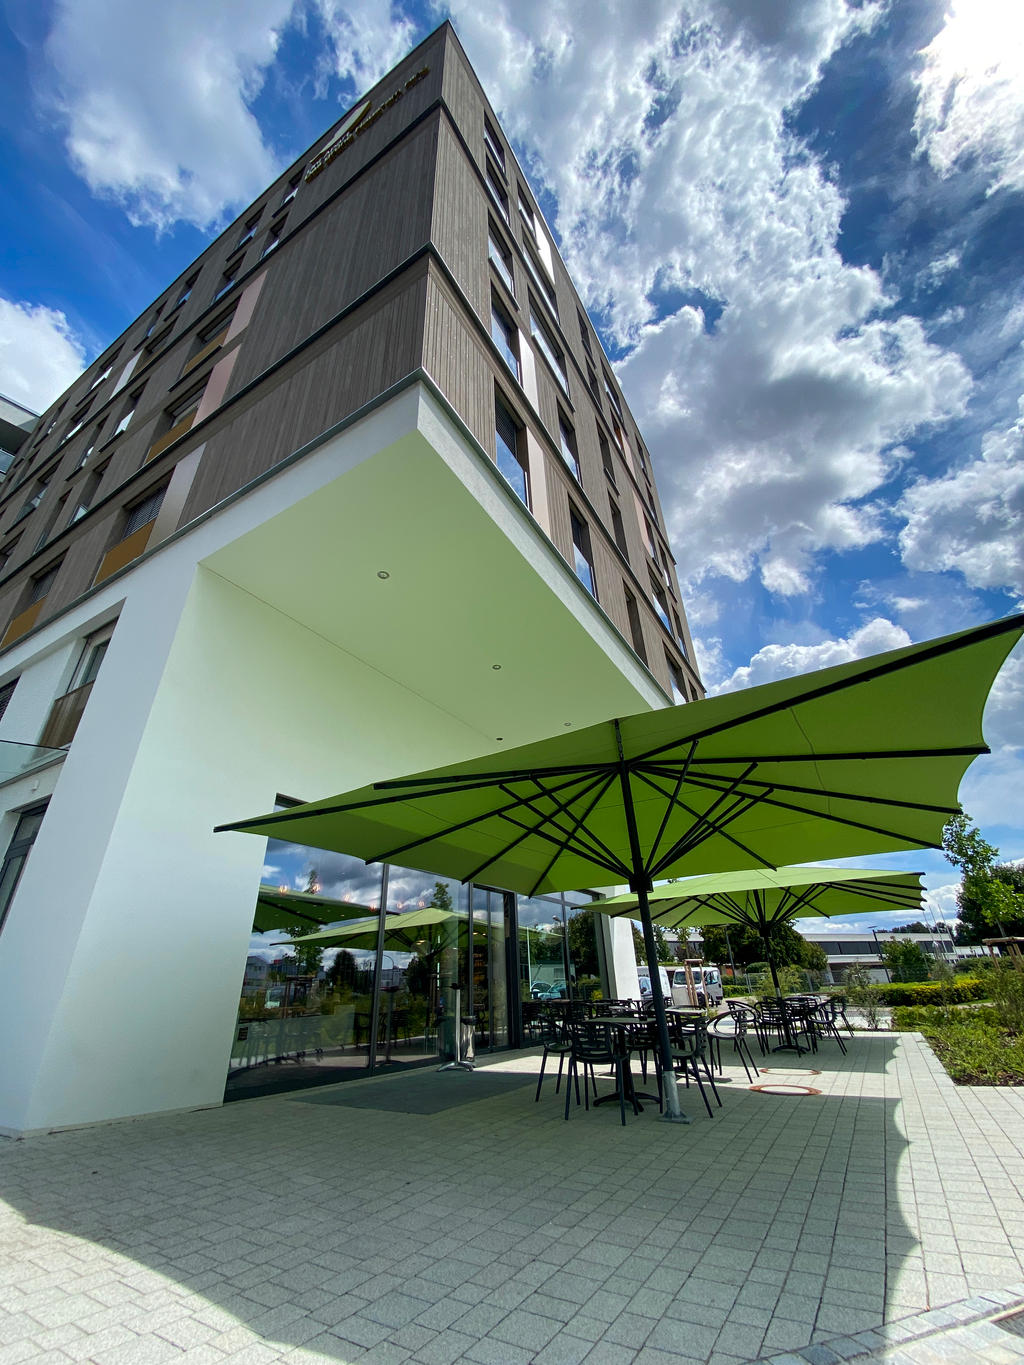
{"x": 382, "y": 268}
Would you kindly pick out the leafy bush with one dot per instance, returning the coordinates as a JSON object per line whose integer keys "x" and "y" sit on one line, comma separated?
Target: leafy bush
{"x": 954, "y": 992}
{"x": 972, "y": 1044}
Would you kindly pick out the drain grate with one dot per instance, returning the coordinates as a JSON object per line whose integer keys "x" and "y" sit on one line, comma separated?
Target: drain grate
{"x": 1013, "y": 1322}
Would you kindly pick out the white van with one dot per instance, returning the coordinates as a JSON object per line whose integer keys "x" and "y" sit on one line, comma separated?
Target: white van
{"x": 707, "y": 982}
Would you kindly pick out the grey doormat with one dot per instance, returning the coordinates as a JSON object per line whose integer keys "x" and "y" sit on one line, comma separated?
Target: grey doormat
{"x": 425, "y": 1092}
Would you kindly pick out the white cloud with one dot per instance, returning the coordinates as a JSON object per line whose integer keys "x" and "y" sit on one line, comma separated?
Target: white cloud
{"x": 665, "y": 143}
{"x": 40, "y": 354}
{"x": 156, "y": 99}
{"x": 972, "y": 520}
{"x": 784, "y": 661}
{"x": 970, "y": 103}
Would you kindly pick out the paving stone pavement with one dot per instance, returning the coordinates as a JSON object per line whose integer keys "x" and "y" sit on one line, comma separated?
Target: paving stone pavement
{"x": 882, "y": 1219}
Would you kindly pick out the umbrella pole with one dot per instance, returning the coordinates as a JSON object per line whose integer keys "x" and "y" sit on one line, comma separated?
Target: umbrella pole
{"x": 673, "y": 1113}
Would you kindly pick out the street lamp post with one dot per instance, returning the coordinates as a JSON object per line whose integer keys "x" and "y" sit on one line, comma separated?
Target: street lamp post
{"x": 881, "y": 959}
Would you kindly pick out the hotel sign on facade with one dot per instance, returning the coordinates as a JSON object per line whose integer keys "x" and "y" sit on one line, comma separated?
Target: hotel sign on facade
{"x": 356, "y": 123}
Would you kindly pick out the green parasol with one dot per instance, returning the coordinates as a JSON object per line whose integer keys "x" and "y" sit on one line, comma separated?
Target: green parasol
{"x": 862, "y": 758}
{"x": 277, "y": 909}
{"x": 762, "y": 897}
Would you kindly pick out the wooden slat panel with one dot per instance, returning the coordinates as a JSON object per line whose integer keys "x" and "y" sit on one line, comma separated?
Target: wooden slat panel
{"x": 207, "y": 351}
{"x": 22, "y": 623}
{"x": 125, "y": 551}
{"x": 171, "y": 436}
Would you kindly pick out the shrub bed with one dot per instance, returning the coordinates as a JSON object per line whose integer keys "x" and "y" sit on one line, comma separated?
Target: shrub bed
{"x": 974, "y": 1045}
{"x": 956, "y": 992}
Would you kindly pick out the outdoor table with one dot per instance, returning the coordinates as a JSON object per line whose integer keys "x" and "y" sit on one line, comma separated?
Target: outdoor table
{"x": 623, "y": 1024}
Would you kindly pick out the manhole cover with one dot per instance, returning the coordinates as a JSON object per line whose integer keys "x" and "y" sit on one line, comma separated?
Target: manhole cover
{"x": 780, "y": 1088}
{"x": 1014, "y": 1323}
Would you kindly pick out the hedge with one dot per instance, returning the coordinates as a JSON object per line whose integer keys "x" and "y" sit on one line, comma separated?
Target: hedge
{"x": 956, "y": 992}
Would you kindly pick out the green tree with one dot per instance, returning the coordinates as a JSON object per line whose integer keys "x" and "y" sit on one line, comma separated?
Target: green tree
{"x": 583, "y": 943}
{"x": 442, "y": 897}
{"x": 990, "y": 894}
{"x": 342, "y": 971}
{"x": 906, "y": 961}
{"x": 785, "y": 947}
{"x": 309, "y": 956}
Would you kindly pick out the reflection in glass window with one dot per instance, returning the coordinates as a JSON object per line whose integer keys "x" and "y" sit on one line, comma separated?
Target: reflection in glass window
{"x": 509, "y": 448}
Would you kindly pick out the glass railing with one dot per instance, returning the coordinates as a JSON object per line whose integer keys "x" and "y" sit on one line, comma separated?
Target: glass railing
{"x": 17, "y": 759}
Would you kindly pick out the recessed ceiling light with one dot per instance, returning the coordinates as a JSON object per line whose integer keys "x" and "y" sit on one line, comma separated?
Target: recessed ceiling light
{"x": 383, "y": 573}
{"x": 496, "y": 667}
{"x": 567, "y": 723}
{"x": 498, "y": 739}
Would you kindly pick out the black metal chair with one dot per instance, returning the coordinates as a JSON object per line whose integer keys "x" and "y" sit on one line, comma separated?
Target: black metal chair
{"x": 839, "y": 1001}
{"x": 552, "y": 1032}
{"x": 594, "y": 1045}
{"x": 825, "y": 1021}
{"x": 689, "y": 1042}
{"x": 729, "y": 1027}
{"x": 752, "y": 1019}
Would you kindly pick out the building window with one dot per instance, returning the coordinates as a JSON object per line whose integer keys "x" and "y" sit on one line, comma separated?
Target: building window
{"x": 87, "y": 496}
{"x": 227, "y": 281}
{"x": 539, "y": 278}
{"x": 679, "y": 634}
{"x": 660, "y": 601}
{"x": 612, "y": 399}
{"x": 526, "y": 214}
{"x": 6, "y": 693}
{"x": 496, "y": 192}
{"x": 142, "y": 513}
{"x": 41, "y": 584}
{"x": 47, "y": 530}
{"x": 636, "y": 630}
{"x": 511, "y": 458}
{"x": 186, "y": 291}
{"x": 618, "y": 529}
{"x": 273, "y": 238}
{"x": 35, "y": 498}
{"x": 583, "y": 558}
{"x": 10, "y": 870}
{"x": 567, "y": 441}
{"x": 86, "y": 454}
{"x": 501, "y": 258}
{"x": 66, "y": 712}
{"x": 505, "y": 336}
{"x": 248, "y": 232}
{"x": 606, "y": 459}
{"x": 291, "y": 190}
{"x": 549, "y": 348}
{"x": 675, "y": 675}
{"x": 104, "y": 374}
{"x": 128, "y": 414}
{"x": 209, "y": 340}
{"x": 493, "y": 142}
{"x": 153, "y": 325}
{"x": 585, "y": 338}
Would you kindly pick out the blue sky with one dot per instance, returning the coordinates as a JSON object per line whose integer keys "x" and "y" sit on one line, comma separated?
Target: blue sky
{"x": 799, "y": 228}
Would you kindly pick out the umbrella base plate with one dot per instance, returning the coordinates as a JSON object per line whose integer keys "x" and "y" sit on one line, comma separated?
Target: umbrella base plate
{"x": 676, "y": 1118}
{"x": 457, "y": 1066}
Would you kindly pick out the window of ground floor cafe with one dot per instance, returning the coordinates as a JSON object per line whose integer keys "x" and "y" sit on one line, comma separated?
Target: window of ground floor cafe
{"x": 387, "y": 992}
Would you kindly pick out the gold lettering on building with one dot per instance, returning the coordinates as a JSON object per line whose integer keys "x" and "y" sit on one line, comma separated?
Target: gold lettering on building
{"x": 363, "y": 120}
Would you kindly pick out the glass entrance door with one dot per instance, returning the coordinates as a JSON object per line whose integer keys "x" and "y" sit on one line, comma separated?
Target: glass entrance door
{"x": 487, "y": 974}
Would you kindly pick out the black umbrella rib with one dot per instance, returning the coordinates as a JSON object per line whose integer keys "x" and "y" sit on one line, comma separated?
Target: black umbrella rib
{"x": 488, "y": 778}
{"x": 936, "y": 651}
{"x": 580, "y": 820}
{"x": 832, "y": 792}
{"x": 601, "y": 782}
{"x": 912, "y": 839}
{"x": 957, "y": 751}
{"x": 714, "y": 827}
{"x": 672, "y": 801}
{"x": 478, "y": 818}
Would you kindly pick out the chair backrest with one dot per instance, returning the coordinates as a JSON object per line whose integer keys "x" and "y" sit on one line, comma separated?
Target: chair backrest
{"x": 737, "y": 1024}
{"x": 593, "y": 1042}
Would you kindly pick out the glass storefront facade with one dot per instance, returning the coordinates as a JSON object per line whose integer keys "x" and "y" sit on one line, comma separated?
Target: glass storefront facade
{"x": 383, "y": 995}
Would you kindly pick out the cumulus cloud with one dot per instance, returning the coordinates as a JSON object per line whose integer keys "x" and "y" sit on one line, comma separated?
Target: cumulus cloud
{"x": 665, "y": 142}
{"x": 970, "y": 103}
{"x": 40, "y": 354}
{"x": 971, "y": 519}
{"x": 156, "y": 99}
{"x": 787, "y": 660}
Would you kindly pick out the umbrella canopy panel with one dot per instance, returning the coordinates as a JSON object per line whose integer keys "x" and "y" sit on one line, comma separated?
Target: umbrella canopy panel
{"x": 277, "y": 909}
{"x": 762, "y": 897}
{"x": 864, "y": 757}
{"x": 404, "y": 931}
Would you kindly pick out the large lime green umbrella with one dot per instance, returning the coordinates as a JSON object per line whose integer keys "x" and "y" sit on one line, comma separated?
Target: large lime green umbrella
{"x": 277, "y": 909}
{"x": 863, "y": 758}
{"x": 760, "y": 898}
{"x": 404, "y": 931}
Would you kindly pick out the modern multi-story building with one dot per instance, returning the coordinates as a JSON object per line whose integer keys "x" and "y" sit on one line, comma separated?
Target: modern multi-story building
{"x": 358, "y": 494}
